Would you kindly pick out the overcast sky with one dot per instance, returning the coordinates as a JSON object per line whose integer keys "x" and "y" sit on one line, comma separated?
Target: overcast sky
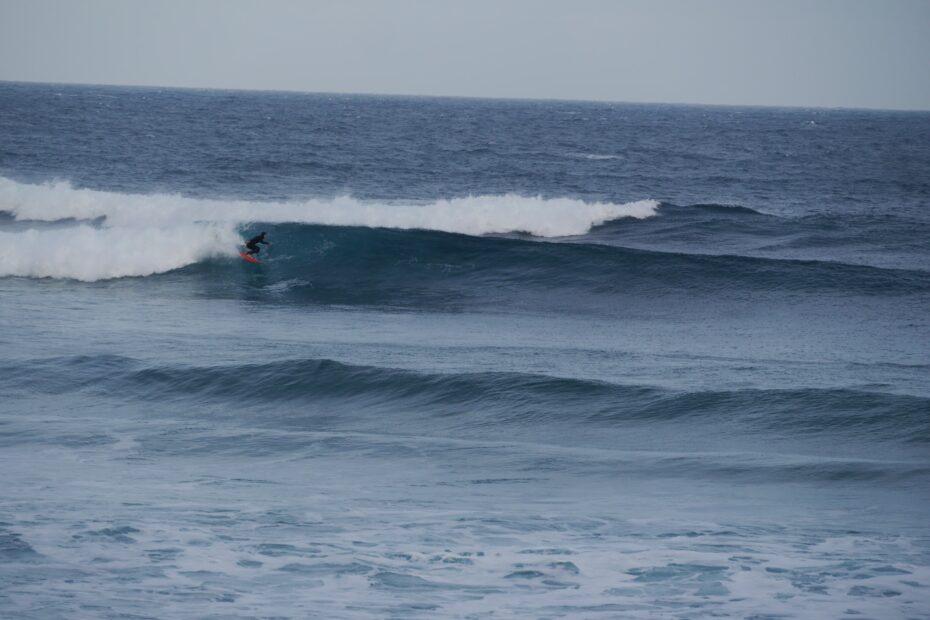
{"x": 848, "y": 53}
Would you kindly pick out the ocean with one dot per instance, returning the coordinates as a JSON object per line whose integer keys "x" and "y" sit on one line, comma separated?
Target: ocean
{"x": 502, "y": 359}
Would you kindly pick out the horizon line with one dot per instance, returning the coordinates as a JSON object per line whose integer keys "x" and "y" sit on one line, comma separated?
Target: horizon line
{"x": 474, "y": 97}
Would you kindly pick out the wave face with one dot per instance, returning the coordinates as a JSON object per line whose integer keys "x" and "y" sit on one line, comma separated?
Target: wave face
{"x": 425, "y": 269}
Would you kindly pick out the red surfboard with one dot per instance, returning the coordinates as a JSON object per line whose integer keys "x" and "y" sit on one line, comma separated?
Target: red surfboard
{"x": 250, "y": 258}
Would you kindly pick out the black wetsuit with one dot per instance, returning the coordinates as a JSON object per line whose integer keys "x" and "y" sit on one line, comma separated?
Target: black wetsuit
{"x": 252, "y": 244}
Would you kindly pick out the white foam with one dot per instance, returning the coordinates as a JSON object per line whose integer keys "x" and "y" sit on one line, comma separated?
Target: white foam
{"x": 88, "y": 253}
{"x": 474, "y": 215}
{"x": 140, "y": 234}
{"x": 596, "y": 156}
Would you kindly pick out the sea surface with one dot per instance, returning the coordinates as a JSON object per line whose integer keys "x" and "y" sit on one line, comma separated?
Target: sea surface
{"x": 503, "y": 359}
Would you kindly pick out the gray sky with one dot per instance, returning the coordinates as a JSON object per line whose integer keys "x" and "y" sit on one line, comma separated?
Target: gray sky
{"x": 850, "y": 53}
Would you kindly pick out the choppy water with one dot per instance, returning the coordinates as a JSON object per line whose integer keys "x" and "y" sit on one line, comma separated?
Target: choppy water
{"x": 503, "y": 359}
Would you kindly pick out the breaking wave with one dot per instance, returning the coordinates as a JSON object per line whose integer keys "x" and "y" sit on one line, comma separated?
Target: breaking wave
{"x": 100, "y": 235}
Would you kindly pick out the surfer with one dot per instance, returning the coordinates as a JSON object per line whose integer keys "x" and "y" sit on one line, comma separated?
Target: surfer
{"x": 252, "y": 244}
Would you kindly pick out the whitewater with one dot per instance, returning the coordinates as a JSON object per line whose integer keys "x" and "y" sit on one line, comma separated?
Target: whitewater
{"x": 140, "y": 235}
{"x": 503, "y": 359}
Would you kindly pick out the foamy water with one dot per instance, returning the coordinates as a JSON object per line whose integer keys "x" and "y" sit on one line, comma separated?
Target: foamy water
{"x": 139, "y": 235}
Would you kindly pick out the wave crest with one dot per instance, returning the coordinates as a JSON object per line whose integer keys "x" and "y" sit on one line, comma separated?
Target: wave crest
{"x": 142, "y": 234}
{"x": 472, "y": 215}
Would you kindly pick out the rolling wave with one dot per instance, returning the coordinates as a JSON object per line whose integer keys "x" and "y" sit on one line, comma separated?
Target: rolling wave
{"x": 338, "y": 395}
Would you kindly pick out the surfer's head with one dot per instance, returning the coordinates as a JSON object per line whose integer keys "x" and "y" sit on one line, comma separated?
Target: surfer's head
{"x": 263, "y": 234}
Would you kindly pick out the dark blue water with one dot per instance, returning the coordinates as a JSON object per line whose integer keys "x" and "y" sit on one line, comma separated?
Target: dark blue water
{"x": 502, "y": 358}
